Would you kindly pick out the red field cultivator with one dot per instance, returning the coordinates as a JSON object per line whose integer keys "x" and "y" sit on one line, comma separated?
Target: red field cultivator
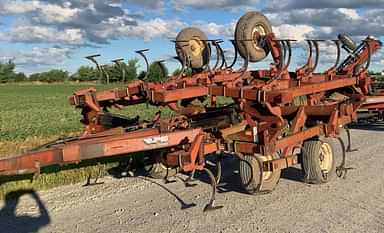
{"x": 277, "y": 118}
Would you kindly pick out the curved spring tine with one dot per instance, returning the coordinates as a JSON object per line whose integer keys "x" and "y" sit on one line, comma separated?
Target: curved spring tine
{"x": 310, "y": 52}
{"x": 244, "y": 68}
{"x": 236, "y": 55}
{"x": 207, "y": 67}
{"x": 288, "y": 62}
{"x": 223, "y": 61}
{"x": 92, "y": 59}
{"x": 338, "y": 52}
{"x": 183, "y": 64}
{"x": 104, "y": 72}
{"x": 317, "y": 51}
{"x": 283, "y": 51}
{"x": 141, "y": 53}
{"x": 218, "y": 55}
{"x": 162, "y": 67}
{"x": 118, "y": 64}
{"x": 368, "y": 63}
{"x": 310, "y": 46}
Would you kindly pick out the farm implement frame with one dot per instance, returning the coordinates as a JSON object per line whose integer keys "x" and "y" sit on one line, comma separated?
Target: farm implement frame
{"x": 277, "y": 118}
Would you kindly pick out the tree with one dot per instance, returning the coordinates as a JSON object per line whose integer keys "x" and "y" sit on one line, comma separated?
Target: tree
{"x": 121, "y": 72}
{"x": 20, "y": 77}
{"x": 85, "y": 73}
{"x": 34, "y": 77}
{"x": 7, "y": 71}
{"x": 54, "y": 75}
{"x": 131, "y": 69}
{"x": 157, "y": 72}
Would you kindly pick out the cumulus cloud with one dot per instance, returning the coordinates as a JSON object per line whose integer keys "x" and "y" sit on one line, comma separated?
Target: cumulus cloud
{"x": 204, "y": 4}
{"x": 294, "y": 32}
{"x": 328, "y": 23}
{"x": 79, "y": 22}
{"x": 150, "y": 4}
{"x": 277, "y": 5}
{"x": 33, "y": 34}
{"x": 155, "y": 28}
{"x": 214, "y": 29}
{"x": 74, "y": 23}
{"x": 41, "y": 56}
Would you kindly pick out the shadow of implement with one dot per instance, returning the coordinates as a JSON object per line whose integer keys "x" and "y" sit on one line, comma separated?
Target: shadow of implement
{"x": 183, "y": 204}
{"x": 10, "y": 222}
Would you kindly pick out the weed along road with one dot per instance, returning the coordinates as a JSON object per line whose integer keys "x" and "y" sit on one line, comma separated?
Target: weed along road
{"x": 354, "y": 204}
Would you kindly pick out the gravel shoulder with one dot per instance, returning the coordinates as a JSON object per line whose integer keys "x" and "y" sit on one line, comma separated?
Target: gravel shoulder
{"x": 355, "y": 204}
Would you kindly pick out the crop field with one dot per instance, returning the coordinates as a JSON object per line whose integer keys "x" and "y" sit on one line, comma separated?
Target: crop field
{"x": 33, "y": 114}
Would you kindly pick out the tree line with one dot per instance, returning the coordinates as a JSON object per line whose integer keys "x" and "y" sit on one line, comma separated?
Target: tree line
{"x": 122, "y": 72}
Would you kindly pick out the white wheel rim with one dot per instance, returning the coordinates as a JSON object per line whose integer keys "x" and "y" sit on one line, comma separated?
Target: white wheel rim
{"x": 266, "y": 174}
{"x": 196, "y": 46}
{"x": 326, "y": 157}
{"x": 257, "y": 31}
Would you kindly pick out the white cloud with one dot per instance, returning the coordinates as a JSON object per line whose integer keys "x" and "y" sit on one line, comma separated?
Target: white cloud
{"x": 155, "y": 28}
{"x": 10, "y": 7}
{"x": 29, "y": 33}
{"x": 295, "y": 32}
{"x": 214, "y": 29}
{"x": 204, "y": 4}
{"x": 38, "y": 56}
{"x": 351, "y": 13}
{"x": 50, "y": 13}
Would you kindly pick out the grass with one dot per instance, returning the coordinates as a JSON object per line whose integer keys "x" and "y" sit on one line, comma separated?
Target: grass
{"x": 32, "y": 115}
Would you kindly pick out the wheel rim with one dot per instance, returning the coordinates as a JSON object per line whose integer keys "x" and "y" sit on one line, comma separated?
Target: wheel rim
{"x": 257, "y": 32}
{"x": 267, "y": 175}
{"x": 197, "y": 46}
{"x": 326, "y": 157}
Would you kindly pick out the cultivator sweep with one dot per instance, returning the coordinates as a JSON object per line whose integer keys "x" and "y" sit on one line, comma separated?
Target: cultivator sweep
{"x": 277, "y": 118}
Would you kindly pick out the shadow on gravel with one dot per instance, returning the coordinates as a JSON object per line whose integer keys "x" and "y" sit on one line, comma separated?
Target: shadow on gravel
{"x": 292, "y": 173}
{"x": 183, "y": 204}
{"x": 10, "y": 222}
{"x": 229, "y": 182}
{"x": 366, "y": 125}
{"x": 141, "y": 174}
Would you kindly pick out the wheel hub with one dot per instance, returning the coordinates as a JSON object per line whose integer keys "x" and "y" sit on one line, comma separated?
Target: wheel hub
{"x": 257, "y": 33}
{"x": 326, "y": 157}
{"x": 196, "y": 46}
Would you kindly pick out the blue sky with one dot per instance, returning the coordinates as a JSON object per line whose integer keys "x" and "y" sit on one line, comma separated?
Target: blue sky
{"x": 44, "y": 34}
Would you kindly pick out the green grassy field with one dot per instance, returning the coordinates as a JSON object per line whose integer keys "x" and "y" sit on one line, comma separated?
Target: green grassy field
{"x": 43, "y": 110}
{"x": 32, "y": 115}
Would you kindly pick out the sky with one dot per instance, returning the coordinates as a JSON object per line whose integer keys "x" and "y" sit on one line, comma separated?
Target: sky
{"x": 39, "y": 35}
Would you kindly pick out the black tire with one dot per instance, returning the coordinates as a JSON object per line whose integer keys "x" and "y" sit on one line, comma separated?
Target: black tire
{"x": 192, "y": 43}
{"x": 246, "y": 27}
{"x": 319, "y": 160}
{"x": 347, "y": 42}
{"x": 252, "y": 179}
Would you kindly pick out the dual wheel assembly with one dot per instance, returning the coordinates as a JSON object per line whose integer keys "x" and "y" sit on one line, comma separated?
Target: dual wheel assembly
{"x": 318, "y": 160}
{"x": 192, "y": 44}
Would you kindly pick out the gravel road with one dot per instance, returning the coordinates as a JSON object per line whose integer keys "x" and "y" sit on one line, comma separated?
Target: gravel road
{"x": 355, "y": 204}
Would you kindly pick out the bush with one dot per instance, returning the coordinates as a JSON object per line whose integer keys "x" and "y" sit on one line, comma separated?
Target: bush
{"x": 50, "y": 76}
